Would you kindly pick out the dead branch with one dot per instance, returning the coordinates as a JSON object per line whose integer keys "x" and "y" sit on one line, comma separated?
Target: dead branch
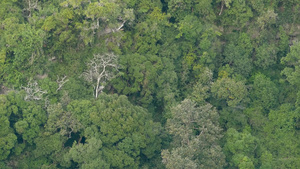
{"x": 33, "y": 91}
{"x": 101, "y": 69}
{"x": 61, "y": 82}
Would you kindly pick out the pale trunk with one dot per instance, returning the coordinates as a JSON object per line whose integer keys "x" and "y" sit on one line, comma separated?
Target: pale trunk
{"x": 97, "y": 88}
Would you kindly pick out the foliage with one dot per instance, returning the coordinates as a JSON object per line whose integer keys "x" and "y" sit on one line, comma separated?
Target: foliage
{"x": 232, "y": 91}
{"x": 264, "y": 92}
{"x": 197, "y": 133}
{"x": 198, "y": 69}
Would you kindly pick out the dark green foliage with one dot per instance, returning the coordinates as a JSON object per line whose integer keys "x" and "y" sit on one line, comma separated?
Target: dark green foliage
{"x": 264, "y": 92}
{"x": 237, "y": 54}
{"x": 177, "y": 59}
{"x": 122, "y": 132}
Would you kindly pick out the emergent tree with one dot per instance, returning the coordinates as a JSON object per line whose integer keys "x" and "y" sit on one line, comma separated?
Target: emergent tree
{"x": 100, "y": 70}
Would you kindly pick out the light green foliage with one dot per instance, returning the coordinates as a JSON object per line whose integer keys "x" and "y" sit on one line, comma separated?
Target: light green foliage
{"x": 48, "y": 85}
{"x": 237, "y": 15}
{"x": 88, "y": 155}
{"x": 32, "y": 117}
{"x": 196, "y": 133}
{"x": 9, "y": 8}
{"x": 292, "y": 71}
{"x": 266, "y": 159}
{"x": 24, "y": 41}
{"x": 266, "y": 19}
{"x": 199, "y": 43}
{"x": 2, "y": 61}
{"x": 28, "y": 48}
{"x": 259, "y": 7}
{"x": 228, "y": 89}
{"x": 189, "y": 29}
{"x": 26, "y": 117}
{"x": 201, "y": 89}
{"x": 240, "y": 148}
{"x": 281, "y": 138}
{"x": 209, "y": 53}
{"x": 175, "y": 160}
{"x": 7, "y": 137}
{"x": 148, "y": 34}
{"x": 48, "y": 145}
{"x": 21, "y": 50}
{"x": 264, "y": 92}
{"x": 125, "y": 130}
{"x": 89, "y": 20}
{"x": 81, "y": 110}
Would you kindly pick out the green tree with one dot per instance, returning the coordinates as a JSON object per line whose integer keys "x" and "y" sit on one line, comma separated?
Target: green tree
{"x": 292, "y": 69}
{"x": 49, "y": 146}
{"x": 8, "y": 138}
{"x": 228, "y": 89}
{"x": 281, "y": 137}
{"x": 203, "y": 9}
{"x": 196, "y": 134}
{"x": 237, "y": 53}
{"x": 62, "y": 121}
{"x": 88, "y": 155}
{"x": 126, "y": 131}
{"x": 264, "y": 92}
{"x": 265, "y": 56}
{"x": 237, "y": 14}
{"x": 31, "y": 117}
{"x": 201, "y": 90}
{"x": 240, "y": 149}
{"x": 147, "y": 35}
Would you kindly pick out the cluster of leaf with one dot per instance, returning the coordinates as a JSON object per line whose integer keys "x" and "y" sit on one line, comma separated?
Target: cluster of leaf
{"x": 198, "y": 84}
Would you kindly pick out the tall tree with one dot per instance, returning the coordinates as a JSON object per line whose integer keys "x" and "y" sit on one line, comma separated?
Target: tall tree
{"x": 281, "y": 136}
{"x": 228, "y": 89}
{"x": 8, "y": 139}
{"x": 196, "y": 134}
{"x": 100, "y": 70}
{"x": 264, "y": 92}
{"x": 240, "y": 149}
{"x": 123, "y": 133}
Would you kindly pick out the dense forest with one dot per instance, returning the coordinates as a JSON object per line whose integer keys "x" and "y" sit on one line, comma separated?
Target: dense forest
{"x": 175, "y": 84}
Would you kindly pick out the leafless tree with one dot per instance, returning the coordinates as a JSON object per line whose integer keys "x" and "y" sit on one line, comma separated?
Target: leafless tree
{"x": 101, "y": 69}
{"x": 61, "y": 82}
{"x": 31, "y": 5}
{"x": 33, "y": 91}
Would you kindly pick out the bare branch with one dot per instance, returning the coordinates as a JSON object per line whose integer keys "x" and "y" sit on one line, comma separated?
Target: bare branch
{"x": 222, "y": 5}
{"x": 32, "y": 5}
{"x": 33, "y": 91}
{"x": 100, "y": 70}
{"x": 61, "y": 82}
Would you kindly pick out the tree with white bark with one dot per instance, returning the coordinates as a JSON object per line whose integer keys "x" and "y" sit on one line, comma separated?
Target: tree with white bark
{"x": 33, "y": 91}
{"x": 30, "y": 5}
{"x": 101, "y": 69}
{"x": 61, "y": 81}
